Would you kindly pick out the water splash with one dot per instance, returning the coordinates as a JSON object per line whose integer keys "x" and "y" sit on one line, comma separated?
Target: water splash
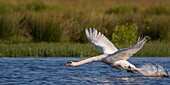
{"x": 150, "y": 70}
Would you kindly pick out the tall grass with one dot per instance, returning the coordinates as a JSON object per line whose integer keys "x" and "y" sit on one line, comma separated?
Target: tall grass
{"x": 36, "y": 6}
{"x": 47, "y": 50}
{"x": 49, "y": 21}
{"x": 5, "y": 6}
{"x": 158, "y": 10}
{"x": 9, "y": 25}
{"x": 151, "y": 49}
{"x": 23, "y": 23}
{"x": 122, "y": 9}
{"x": 43, "y": 27}
{"x": 155, "y": 49}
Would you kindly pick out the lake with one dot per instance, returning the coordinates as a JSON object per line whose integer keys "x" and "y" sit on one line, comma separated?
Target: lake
{"x": 51, "y": 71}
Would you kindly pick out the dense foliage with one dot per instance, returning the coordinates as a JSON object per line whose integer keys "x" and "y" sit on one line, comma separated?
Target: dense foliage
{"x": 65, "y": 21}
{"x": 39, "y": 27}
{"x": 128, "y": 34}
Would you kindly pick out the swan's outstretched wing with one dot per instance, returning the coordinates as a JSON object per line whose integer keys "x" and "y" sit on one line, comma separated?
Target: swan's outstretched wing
{"x": 125, "y": 53}
{"x": 100, "y": 41}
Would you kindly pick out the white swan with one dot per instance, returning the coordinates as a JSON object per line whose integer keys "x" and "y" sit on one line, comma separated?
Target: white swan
{"x": 110, "y": 54}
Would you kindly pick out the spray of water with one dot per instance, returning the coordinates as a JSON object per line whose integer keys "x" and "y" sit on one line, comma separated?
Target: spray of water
{"x": 150, "y": 70}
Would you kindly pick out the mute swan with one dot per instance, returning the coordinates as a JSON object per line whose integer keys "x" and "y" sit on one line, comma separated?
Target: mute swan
{"x": 110, "y": 54}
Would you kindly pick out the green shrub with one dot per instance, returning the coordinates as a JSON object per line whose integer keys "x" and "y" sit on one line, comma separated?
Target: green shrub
{"x": 125, "y": 34}
{"x": 66, "y": 23}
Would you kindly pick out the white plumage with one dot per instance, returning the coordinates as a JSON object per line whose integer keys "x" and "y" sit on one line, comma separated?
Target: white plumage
{"x": 110, "y": 54}
{"x": 100, "y": 41}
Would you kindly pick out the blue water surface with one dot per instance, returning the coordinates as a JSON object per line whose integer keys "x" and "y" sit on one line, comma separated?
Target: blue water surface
{"x": 51, "y": 71}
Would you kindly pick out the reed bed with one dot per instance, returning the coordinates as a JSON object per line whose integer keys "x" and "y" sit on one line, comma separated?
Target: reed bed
{"x": 155, "y": 49}
{"x": 65, "y": 21}
{"x": 38, "y": 28}
{"x": 47, "y": 50}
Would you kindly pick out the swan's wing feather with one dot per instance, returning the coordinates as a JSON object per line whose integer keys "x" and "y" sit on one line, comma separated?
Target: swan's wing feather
{"x": 100, "y": 41}
{"x": 125, "y": 53}
{"x": 132, "y": 50}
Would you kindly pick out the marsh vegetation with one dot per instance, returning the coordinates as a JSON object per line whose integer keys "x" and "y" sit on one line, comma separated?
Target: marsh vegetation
{"x": 56, "y": 27}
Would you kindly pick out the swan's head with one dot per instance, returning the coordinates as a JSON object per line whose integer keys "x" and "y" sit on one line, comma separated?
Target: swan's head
{"x": 70, "y": 63}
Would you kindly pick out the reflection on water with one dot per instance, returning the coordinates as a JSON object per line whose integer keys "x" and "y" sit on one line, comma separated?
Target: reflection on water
{"x": 91, "y": 79}
{"x": 51, "y": 71}
{"x": 104, "y": 80}
{"x": 125, "y": 79}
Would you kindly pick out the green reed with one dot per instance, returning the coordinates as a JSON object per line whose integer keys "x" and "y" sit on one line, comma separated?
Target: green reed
{"x": 47, "y": 50}
{"x": 9, "y": 25}
{"x": 155, "y": 49}
{"x": 65, "y": 21}
{"x": 25, "y": 24}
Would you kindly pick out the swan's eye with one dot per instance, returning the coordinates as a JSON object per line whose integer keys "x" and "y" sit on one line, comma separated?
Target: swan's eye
{"x": 69, "y": 62}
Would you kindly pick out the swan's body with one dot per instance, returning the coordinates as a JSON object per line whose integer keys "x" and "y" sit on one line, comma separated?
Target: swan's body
{"x": 110, "y": 54}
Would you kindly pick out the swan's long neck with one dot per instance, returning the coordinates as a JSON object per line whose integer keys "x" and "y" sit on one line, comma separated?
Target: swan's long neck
{"x": 95, "y": 58}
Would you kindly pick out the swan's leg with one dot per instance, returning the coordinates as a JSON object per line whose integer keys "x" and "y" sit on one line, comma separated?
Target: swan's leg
{"x": 133, "y": 70}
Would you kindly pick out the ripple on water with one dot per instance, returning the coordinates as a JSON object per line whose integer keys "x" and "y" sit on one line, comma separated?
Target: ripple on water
{"x": 51, "y": 71}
